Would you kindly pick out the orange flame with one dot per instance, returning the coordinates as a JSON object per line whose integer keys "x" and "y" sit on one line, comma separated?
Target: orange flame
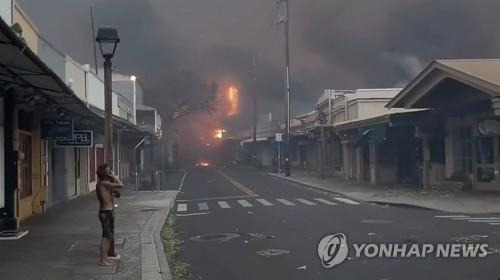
{"x": 233, "y": 98}
{"x": 219, "y": 133}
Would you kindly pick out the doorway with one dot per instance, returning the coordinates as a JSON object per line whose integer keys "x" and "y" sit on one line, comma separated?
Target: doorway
{"x": 487, "y": 163}
{"x": 58, "y": 168}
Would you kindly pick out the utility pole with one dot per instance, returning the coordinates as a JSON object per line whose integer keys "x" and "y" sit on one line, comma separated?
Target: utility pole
{"x": 286, "y": 21}
{"x": 254, "y": 117}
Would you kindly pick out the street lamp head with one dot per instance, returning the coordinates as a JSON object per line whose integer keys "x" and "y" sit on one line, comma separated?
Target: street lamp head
{"x": 133, "y": 78}
{"x": 108, "y": 39}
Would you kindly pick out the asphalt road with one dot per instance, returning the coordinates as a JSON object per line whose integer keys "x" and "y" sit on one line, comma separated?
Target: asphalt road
{"x": 239, "y": 223}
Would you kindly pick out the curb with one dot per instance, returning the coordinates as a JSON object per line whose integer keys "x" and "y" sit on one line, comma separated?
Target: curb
{"x": 160, "y": 250}
{"x": 396, "y": 204}
{"x": 154, "y": 264}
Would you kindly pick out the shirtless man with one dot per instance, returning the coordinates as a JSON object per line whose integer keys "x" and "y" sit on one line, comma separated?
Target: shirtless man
{"x": 107, "y": 183}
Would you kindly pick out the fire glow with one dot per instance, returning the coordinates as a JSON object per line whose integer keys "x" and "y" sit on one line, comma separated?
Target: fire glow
{"x": 219, "y": 133}
{"x": 233, "y": 98}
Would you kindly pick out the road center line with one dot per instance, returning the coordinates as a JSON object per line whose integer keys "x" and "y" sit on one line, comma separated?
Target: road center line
{"x": 181, "y": 185}
{"x": 237, "y": 184}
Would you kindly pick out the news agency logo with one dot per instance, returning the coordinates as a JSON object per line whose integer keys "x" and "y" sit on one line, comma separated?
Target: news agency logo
{"x": 333, "y": 249}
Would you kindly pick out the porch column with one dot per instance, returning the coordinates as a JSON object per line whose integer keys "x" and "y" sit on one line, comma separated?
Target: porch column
{"x": 426, "y": 161}
{"x": 346, "y": 161}
{"x": 322, "y": 152}
{"x": 359, "y": 163}
{"x": 373, "y": 162}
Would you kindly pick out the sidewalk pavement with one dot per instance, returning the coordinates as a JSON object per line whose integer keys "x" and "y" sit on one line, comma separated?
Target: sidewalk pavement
{"x": 64, "y": 242}
{"x": 437, "y": 199}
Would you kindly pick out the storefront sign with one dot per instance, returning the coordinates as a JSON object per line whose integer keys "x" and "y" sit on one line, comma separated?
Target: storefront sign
{"x": 279, "y": 137}
{"x": 81, "y": 138}
{"x": 57, "y": 129}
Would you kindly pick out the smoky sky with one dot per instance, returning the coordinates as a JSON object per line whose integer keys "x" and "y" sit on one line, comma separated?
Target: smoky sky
{"x": 340, "y": 44}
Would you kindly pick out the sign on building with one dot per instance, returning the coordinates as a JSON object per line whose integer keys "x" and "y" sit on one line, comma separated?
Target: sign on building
{"x": 279, "y": 137}
{"x": 57, "y": 129}
{"x": 81, "y": 138}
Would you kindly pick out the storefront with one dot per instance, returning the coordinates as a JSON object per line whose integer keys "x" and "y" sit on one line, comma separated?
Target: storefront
{"x": 461, "y": 139}
{"x": 29, "y": 92}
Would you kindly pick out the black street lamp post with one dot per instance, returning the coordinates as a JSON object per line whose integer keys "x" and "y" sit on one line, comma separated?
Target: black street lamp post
{"x": 107, "y": 38}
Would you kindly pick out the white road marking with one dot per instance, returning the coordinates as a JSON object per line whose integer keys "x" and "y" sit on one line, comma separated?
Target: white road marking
{"x": 182, "y": 207}
{"x": 181, "y": 185}
{"x": 346, "y": 200}
{"x": 494, "y": 224}
{"x": 237, "y": 184}
{"x": 286, "y": 202}
{"x": 306, "y": 202}
{"x": 264, "y": 202}
{"x": 244, "y": 203}
{"x": 223, "y": 204}
{"x": 327, "y": 202}
{"x": 213, "y": 198}
{"x": 484, "y": 221}
{"x": 476, "y": 218}
{"x": 192, "y": 214}
{"x": 451, "y": 216}
{"x": 203, "y": 206}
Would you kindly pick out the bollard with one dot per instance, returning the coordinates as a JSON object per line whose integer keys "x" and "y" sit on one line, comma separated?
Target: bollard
{"x": 157, "y": 181}
{"x": 136, "y": 181}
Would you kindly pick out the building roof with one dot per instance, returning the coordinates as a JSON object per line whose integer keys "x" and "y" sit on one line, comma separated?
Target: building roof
{"x": 21, "y": 67}
{"x": 482, "y": 74}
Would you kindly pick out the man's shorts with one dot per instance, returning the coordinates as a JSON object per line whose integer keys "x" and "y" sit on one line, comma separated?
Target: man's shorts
{"x": 107, "y": 219}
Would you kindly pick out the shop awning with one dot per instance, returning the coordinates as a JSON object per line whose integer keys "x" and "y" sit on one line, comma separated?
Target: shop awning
{"x": 22, "y": 69}
{"x": 122, "y": 123}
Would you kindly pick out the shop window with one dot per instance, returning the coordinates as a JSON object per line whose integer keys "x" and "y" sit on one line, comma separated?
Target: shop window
{"x": 486, "y": 174}
{"x": 485, "y": 150}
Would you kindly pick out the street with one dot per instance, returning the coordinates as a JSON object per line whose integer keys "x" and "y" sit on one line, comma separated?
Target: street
{"x": 240, "y": 223}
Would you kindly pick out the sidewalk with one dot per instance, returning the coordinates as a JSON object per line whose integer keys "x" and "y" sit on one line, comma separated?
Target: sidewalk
{"x": 442, "y": 200}
{"x": 64, "y": 242}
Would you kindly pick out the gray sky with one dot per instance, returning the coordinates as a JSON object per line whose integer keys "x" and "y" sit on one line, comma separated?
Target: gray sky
{"x": 342, "y": 44}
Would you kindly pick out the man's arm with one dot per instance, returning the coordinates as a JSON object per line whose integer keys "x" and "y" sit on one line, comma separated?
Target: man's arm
{"x": 116, "y": 184}
{"x": 116, "y": 180}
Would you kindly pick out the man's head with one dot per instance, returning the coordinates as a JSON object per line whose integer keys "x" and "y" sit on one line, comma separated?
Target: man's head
{"x": 103, "y": 171}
